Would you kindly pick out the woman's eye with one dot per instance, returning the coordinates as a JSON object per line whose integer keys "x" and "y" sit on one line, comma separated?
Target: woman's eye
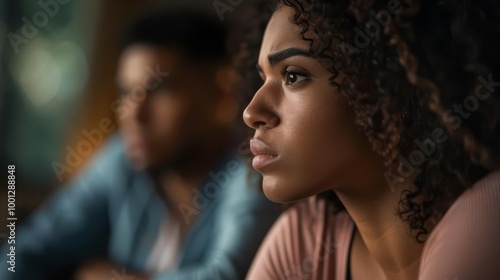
{"x": 294, "y": 78}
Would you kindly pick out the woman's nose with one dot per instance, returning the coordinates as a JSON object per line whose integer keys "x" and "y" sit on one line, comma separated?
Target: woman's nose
{"x": 261, "y": 112}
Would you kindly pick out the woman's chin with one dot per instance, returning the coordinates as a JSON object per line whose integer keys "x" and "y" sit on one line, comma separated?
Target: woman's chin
{"x": 282, "y": 192}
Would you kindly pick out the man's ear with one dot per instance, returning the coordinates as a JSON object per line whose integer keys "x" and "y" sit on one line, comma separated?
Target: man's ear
{"x": 227, "y": 105}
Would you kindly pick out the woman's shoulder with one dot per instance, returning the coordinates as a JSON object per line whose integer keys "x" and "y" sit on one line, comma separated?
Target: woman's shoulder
{"x": 306, "y": 241}
{"x": 479, "y": 204}
{"x": 465, "y": 244}
{"x": 485, "y": 190}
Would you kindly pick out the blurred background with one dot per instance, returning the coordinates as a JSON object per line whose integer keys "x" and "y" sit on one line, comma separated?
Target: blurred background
{"x": 57, "y": 86}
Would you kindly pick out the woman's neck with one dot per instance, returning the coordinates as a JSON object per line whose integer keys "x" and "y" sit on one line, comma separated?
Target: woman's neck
{"x": 382, "y": 235}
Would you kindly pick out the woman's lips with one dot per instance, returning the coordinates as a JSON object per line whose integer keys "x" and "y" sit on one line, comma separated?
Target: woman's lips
{"x": 263, "y": 154}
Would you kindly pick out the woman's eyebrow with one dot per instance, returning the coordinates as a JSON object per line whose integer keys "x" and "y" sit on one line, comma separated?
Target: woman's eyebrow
{"x": 277, "y": 57}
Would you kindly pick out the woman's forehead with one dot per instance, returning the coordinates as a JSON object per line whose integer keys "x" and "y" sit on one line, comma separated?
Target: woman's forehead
{"x": 281, "y": 33}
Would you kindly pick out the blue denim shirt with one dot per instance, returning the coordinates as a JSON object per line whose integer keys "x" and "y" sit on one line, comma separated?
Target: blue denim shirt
{"x": 113, "y": 211}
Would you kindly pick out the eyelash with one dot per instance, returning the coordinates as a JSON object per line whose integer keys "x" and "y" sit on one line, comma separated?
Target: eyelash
{"x": 285, "y": 73}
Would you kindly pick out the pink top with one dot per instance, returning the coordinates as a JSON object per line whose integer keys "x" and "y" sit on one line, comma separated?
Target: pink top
{"x": 309, "y": 243}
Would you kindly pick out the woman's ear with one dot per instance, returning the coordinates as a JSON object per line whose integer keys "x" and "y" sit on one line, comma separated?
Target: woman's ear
{"x": 227, "y": 105}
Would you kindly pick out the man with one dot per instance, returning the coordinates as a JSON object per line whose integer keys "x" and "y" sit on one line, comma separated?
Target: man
{"x": 166, "y": 199}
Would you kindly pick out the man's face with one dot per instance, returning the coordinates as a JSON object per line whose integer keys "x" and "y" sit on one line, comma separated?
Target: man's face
{"x": 167, "y": 104}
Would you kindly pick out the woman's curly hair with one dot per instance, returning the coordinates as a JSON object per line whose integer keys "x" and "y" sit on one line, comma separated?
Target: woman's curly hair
{"x": 413, "y": 72}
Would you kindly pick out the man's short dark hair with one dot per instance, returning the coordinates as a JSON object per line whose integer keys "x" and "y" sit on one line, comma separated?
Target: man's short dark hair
{"x": 200, "y": 36}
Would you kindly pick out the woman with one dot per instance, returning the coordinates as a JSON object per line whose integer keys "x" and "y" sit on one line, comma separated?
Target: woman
{"x": 390, "y": 111}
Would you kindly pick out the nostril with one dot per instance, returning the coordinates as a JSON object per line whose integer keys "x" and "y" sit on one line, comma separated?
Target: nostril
{"x": 258, "y": 124}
